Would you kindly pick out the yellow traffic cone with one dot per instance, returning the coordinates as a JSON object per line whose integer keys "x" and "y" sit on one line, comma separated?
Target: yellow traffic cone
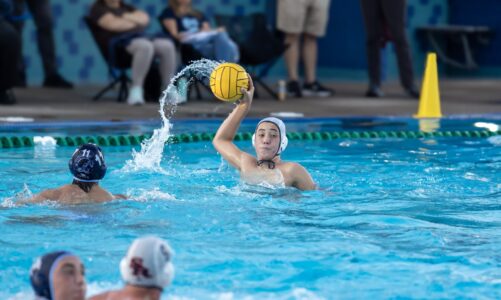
{"x": 429, "y": 101}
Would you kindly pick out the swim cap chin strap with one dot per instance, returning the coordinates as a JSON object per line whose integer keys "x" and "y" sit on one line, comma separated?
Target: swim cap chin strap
{"x": 283, "y": 140}
{"x": 82, "y": 180}
{"x": 271, "y": 163}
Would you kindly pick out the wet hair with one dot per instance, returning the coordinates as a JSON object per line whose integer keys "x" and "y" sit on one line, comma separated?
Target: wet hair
{"x": 85, "y": 186}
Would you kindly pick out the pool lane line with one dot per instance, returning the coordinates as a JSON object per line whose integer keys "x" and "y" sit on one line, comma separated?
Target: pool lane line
{"x": 133, "y": 140}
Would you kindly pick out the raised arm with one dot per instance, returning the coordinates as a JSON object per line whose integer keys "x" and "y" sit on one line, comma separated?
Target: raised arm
{"x": 223, "y": 141}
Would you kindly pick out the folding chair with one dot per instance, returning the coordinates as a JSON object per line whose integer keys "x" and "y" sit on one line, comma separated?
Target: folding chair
{"x": 260, "y": 48}
{"x": 188, "y": 54}
{"x": 118, "y": 64}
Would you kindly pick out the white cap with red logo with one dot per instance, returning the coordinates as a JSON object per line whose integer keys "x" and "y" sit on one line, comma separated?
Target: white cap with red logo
{"x": 148, "y": 263}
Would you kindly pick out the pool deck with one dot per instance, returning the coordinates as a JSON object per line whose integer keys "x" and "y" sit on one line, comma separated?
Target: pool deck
{"x": 458, "y": 97}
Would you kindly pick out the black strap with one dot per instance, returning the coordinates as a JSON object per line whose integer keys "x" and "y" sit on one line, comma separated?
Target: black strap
{"x": 271, "y": 164}
{"x": 147, "y": 287}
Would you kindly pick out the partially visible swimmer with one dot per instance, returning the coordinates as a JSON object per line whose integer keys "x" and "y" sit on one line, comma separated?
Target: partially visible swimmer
{"x": 58, "y": 276}
{"x": 146, "y": 270}
{"x": 88, "y": 167}
{"x": 269, "y": 141}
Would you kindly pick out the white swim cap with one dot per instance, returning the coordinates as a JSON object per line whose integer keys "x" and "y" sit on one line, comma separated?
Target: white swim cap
{"x": 281, "y": 128}
{"x": 148, "y": 263}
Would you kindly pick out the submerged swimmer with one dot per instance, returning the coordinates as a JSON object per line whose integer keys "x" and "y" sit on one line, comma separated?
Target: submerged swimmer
{"x": 88, "y": 167}
{"x": 58, "y": 276}
{"x": 269, "y": 141}
{"x": 146, "y": 270}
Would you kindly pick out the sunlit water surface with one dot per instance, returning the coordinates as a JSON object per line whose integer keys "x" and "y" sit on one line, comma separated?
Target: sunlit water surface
{"x": 394, "y": 218}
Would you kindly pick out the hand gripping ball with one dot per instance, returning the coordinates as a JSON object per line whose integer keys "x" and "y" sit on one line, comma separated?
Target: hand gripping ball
{"x": 226, "y": 81}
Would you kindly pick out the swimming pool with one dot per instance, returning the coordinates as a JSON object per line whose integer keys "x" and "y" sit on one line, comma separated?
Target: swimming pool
{"x": 395, "y": 218}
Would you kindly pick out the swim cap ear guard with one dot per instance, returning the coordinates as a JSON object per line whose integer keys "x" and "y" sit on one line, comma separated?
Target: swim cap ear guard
{"x": 281, "y": 130}
{"x": 87, "y": 163}
{"x": 148, "y": 263}
{"x": 39, "y": 280}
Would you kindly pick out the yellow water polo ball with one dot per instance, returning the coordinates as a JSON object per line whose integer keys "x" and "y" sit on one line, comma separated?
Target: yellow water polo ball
{"x": 226, "y": 80}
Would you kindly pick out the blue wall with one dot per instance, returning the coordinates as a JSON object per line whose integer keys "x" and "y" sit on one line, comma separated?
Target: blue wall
{"x": 480, "y": 13}
{"x": 342, "y": 51}
{"x": 77, "y": 55}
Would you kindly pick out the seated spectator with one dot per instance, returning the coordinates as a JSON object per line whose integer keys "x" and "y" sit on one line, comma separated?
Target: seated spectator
{"x": 10, "y": 49}
{"x": 58, "y": 276}
{"x": 88, "y": 167}
{"x": 146, "y": 270}
{"x": 187, "y": 25}
{"x": 123, "y": 27}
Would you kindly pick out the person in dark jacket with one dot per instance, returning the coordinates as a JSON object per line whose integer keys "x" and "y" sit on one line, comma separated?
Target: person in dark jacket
{"x": 10, "y": 50}
{"x": 41, "y": 12}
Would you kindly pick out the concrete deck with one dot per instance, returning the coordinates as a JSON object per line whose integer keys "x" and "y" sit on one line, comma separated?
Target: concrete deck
{"x": 457, "y": 97}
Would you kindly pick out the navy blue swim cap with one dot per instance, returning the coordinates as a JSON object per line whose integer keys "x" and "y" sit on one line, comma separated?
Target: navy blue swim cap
{"x": 40, "y": 273}
{"x": 87, "y": 163}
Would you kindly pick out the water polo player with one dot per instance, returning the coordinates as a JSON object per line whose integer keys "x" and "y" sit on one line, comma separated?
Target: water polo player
{"x": 88, "y": 167}
{"x": 269, "y": 141}
{"x": 58, "y": 276}
{"x": 146, "y": 270}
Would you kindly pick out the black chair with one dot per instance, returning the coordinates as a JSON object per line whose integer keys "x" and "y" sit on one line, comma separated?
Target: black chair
{"x": 188, "y": 54}
{"x": 260, "y": 48}
{"x": 118, "y": 64}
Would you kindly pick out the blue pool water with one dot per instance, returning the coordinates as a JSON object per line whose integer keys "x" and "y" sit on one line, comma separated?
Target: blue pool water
{"x": 394, "y": 218}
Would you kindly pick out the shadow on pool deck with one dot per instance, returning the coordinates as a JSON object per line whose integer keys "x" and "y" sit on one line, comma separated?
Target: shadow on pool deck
{"x": 457, "y": 97}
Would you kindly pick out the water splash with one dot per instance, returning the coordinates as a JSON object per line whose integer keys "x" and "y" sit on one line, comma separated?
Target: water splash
{"x": 15, "y": 200}
{"x": 199, "y": 70}
{"x": 144, "y": 195}
{"x": 44, "y": 147}
{"x": 150, "y": 155}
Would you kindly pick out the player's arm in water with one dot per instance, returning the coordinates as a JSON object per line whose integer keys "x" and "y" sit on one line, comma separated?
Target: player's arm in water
{"x": 223, "y": 141}
{"x": 52, "y": 194}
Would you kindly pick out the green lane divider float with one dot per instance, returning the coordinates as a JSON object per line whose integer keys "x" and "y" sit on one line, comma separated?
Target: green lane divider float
{"x": 133, "y": 140}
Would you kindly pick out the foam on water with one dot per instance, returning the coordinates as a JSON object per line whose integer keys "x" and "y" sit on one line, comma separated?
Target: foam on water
{"x": 25, "y": 193}
{"x": 148, "y": 194}
{"x": 495, "y": 140}
{"x": 98, "y": 288}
